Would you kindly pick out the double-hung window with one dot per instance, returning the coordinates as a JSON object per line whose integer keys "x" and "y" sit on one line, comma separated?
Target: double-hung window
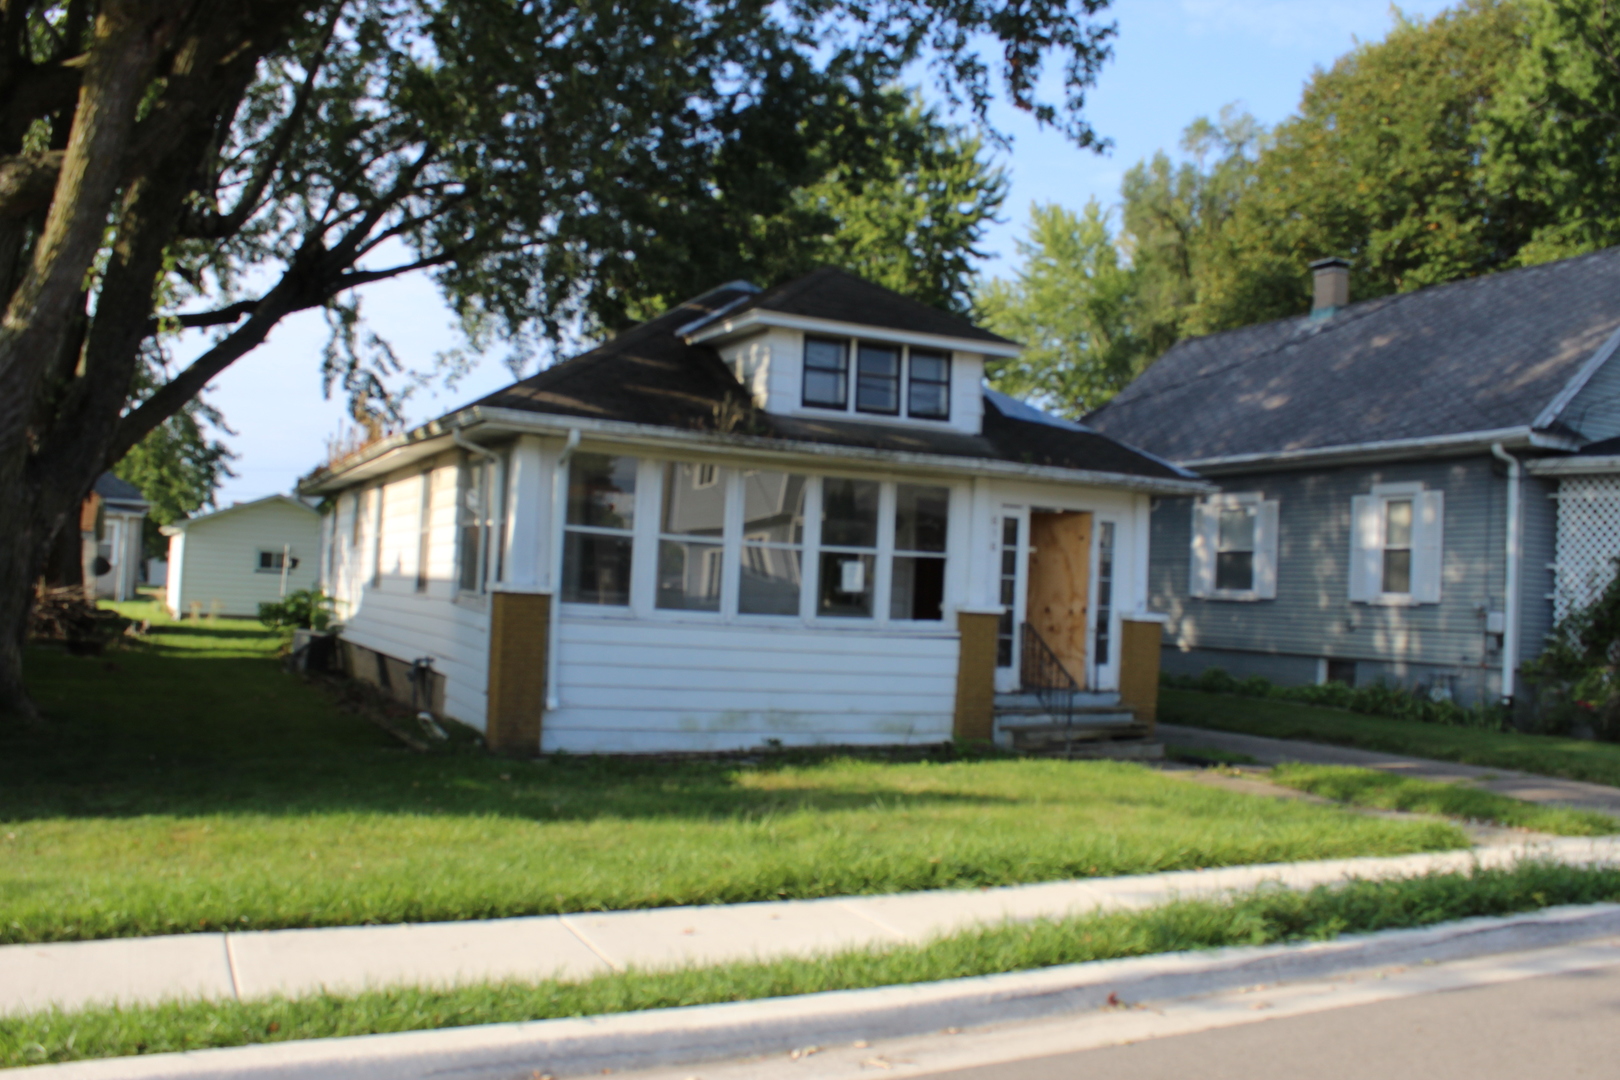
{"x": 929, "y": 393}
{"x": 772, "y": 543}
{"x": 1234, "y": 547}
{"x": 849, "y": 542}
{"x": 692, "y": 526}
{"x": 1397, "y": 561}
{"x": 877, "y": 378}
{"x": 917, "y": 582}
{"x": 598, "y": 536}
{"x": 826, "y": 373}
{"x": 1396, "y": 545}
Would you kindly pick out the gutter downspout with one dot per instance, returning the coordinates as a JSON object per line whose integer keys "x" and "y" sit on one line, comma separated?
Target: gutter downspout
{"x": 559, "y": 495}
{"x": 1510, "y": 606}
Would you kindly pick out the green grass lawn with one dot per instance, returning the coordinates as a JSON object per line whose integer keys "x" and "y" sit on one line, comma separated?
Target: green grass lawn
{"x": 192, "y": 785}
{"x": 1545, "y": 755}
{"x": 1260, "y": 918}
{"x": 1387, "y": 791}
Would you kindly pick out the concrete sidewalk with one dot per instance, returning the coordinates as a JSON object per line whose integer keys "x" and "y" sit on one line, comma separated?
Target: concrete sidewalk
{"x": 348, "y": 959}
{"x": 1547, "y": 790}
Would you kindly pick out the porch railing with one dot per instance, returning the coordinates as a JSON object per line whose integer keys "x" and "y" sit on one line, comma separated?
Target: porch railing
{"x": 1041, "y": 672}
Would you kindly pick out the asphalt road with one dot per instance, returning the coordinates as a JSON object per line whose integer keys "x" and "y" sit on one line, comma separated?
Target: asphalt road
{"x": 1561, "y": 1026}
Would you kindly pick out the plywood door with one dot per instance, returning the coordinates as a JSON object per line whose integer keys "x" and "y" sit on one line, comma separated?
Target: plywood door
{"x": 1060, "y": 585}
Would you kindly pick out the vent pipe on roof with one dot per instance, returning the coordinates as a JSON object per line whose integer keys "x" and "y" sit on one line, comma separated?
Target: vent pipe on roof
{"x": 1332, "y": 280}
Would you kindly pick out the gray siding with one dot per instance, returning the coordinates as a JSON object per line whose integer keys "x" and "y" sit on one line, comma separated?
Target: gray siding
{"x": 1312, "y": 616}
{"x": 1595, "y": 410}
{"x": 1540, "y": 517}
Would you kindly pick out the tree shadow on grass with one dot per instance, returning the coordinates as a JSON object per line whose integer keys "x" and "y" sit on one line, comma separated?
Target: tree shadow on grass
{"x": 142, "y": 732}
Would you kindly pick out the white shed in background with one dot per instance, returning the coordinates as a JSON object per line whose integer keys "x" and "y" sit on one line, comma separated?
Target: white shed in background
{"x": 231, "y": 561}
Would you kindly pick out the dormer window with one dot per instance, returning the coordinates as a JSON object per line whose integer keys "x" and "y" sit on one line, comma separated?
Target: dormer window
{"x": 877, "y": 379}
{"x": 930, "y": 390}
{"x": 890, "y": 380}
{"x": 826, "y": 373}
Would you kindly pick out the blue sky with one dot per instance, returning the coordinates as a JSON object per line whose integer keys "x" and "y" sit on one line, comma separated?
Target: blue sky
{"x": 1173, "y": 60}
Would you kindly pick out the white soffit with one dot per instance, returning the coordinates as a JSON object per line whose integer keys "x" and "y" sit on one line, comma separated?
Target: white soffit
{"x": 757, "y": 319}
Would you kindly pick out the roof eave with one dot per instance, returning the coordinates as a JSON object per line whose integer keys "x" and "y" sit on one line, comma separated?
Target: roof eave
{"x": 1468, "y": 442}
{"x": 499, "y": 421}
{"x": 1575, "y": 465}
{"x": 756, "y": 319}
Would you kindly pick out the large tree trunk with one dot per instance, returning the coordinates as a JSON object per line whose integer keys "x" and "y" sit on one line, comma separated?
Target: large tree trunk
{"x": 65, "y": 379}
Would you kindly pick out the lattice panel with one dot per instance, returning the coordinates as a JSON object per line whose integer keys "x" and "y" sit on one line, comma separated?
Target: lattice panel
{"x": 1588, "y": 540}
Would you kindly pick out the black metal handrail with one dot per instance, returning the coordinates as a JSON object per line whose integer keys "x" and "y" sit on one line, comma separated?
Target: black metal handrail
{"x": 1040, "y": 671}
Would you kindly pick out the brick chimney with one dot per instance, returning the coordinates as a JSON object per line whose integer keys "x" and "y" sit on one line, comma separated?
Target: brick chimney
{"x": 1332, "y": 285}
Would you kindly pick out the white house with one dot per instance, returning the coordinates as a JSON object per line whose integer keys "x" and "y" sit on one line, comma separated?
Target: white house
{"x": 789, "y": 516}
{"x": 110, "y": 527}
{"x": 230, "y": 561}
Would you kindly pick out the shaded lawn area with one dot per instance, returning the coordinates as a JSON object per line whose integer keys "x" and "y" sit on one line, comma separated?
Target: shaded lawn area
{"x": 192, "y": 785}
{"x": 1544, "y": 755}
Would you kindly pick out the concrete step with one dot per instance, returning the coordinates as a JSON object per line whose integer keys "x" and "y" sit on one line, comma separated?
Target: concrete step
{"x": 1103, "y": 718}
{"x": 1087, "y": 711}
{"x": 1116, "y": 750}
{"x": 1088, "y": 698}
{"x": 1060, "y": 737}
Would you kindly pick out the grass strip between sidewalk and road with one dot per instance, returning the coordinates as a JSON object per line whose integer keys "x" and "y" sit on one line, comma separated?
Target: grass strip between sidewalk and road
{"x": 1543, "y": 755}
{"x": 1388, "y": 791}
{"x": 1267, "y": 916}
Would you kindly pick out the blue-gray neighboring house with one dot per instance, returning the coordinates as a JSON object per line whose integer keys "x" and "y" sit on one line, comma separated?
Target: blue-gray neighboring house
{"x": 1390, "y": 477}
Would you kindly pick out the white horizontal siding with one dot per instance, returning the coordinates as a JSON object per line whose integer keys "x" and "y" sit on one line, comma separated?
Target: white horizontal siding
{"x": 218, "y": 563}
{"x": 647, "y": 685}
{"x": 392, "y": 617}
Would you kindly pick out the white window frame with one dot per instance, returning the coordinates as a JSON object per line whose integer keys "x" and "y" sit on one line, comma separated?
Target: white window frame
{"x": 646, "y": 536}
{"x": 642, "y": 534}
{"x": 850, "y": 407}
{"x": 1368, "y": 529}
{"x": 490, "y": 475}
{"x": 1206, "y": 516}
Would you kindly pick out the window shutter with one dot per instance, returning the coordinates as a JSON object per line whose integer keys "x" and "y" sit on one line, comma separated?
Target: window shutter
{"x": 1265, "y": 550}
{"x": 1366, "y": 548}
{"x": 1201, "y": 577}
{"x": 1428, "y": 541}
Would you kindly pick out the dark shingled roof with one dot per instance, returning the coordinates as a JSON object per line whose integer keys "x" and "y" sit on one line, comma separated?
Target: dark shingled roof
{"x": 1491, "y": 352}
{"x": 115, "y": 489}
{"x": 649, "y": 375}
{"x": 831, "y": 293}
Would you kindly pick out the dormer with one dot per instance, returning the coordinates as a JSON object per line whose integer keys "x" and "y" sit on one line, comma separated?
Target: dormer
{"x": 832, "y": 346}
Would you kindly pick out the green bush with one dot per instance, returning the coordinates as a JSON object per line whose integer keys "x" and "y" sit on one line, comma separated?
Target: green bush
{"x": 305, "y": 609}
{"x": 1577, "y": 676}
{"x": 1377, "y": 699}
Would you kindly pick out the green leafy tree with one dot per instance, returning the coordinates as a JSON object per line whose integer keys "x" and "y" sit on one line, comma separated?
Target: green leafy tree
{"x": 1070, "y": 304}
{"x": 1175, "y": 217}
{"x": 180, "y": 165}
{"x": 905, "y": 208}
{"x": 1552, "y": 134}
{"x": 1382, "y": 165}
{"x": 1387, "y": 162}
{"x": 178, "y": 467}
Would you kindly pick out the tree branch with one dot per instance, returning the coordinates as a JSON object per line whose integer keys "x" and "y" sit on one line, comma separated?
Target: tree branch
{"x": 194, "y": 320}
{"x": 215, "y": 225}
{"x": 289, "y": 296}
{"x": 27, "y": 182}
